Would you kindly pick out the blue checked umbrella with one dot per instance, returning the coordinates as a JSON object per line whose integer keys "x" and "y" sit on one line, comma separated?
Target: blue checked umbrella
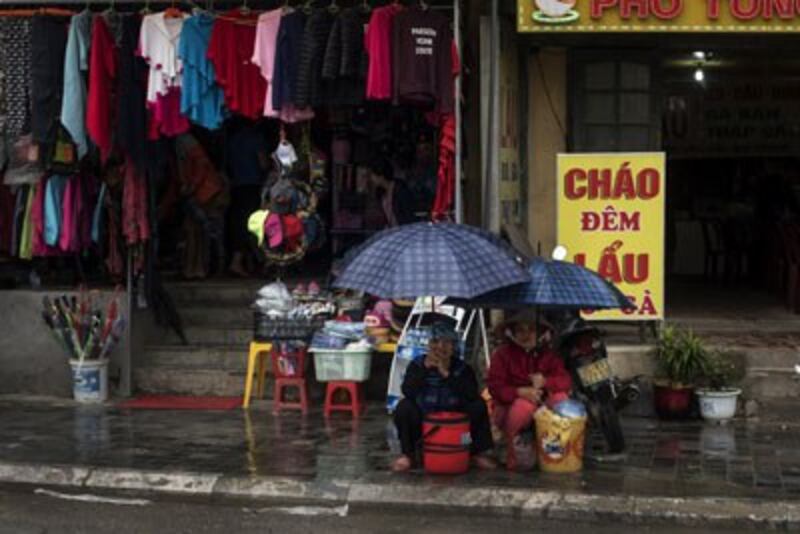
{"x": 427, "y": 259}
{"x": 553, "y": 284}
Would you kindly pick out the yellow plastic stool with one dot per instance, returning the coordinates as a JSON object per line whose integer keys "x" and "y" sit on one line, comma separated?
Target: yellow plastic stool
{"x": 259, "y": 352}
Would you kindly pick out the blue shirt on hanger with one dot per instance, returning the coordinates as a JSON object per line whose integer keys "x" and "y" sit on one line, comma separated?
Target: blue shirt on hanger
{"x": 202, "y": 98}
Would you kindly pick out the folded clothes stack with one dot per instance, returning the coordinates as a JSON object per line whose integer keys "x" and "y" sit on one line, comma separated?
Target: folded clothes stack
{"x": 275, "y": 301}
{"x": 340, "y": 335}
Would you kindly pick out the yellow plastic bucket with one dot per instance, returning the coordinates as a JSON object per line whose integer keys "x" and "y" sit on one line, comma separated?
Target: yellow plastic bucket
{"x": 559, "y": 442}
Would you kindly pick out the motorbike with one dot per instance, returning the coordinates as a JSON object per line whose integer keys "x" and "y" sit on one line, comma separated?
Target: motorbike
{"x": 583, "y": 350}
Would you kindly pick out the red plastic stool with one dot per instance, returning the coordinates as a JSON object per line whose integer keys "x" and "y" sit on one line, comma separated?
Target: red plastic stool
{"x": 357, "y": 402}
{"x": 282, "y": 384}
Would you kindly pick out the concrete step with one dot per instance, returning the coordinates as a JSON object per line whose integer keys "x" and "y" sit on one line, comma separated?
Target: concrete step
{"x": 772, "y": 384}
{"x": 233, "y": 336}
{"x": 212, "y": 357}
{"x": 217, "y": 315}
{"x": 183, "y": 381}
{"x": 226, "y": 291}
{"x": 631, "y": 360}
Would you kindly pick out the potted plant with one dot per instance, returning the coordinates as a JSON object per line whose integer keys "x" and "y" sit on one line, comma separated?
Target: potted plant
{"x": 682, "y": 357}
{"x": 717, "y": 391}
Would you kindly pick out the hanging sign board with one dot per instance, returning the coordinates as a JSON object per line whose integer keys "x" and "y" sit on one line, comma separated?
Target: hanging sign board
{"x": 625, "y": 16}
{"x": 611, "y": 220}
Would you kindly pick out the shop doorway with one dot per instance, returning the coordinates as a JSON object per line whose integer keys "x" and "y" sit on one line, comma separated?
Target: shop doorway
{"x": 731, "y": 131}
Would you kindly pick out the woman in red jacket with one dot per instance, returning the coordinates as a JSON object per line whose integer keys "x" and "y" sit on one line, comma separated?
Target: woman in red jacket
{"x": 522, "y": 376}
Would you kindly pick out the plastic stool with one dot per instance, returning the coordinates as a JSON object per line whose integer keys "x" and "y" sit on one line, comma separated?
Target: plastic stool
{"x": 356, "y": 404}
{"x": 258, "y": 351}
{"x": 281, "y": 384}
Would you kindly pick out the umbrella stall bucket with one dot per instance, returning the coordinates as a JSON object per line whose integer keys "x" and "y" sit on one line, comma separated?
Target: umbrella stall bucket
{"x": 446, "y": 443}
{"x": 559, "y": 442}
{"x": 90, "y": 380}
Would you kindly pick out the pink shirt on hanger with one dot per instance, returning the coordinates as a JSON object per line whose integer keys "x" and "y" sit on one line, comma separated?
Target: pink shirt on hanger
{"x": 264, "y": 52}
{"x": 378, "y": 41}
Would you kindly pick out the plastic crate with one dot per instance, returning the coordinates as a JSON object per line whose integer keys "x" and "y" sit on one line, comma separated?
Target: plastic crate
{"x": 348, "y": 365}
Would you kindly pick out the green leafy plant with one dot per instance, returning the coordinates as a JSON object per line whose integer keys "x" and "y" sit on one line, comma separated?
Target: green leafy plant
{"x": 682, "y": 356}
{"x": 725, "y": 369}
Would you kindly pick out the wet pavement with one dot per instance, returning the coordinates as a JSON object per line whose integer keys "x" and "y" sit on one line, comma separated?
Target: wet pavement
{"x": 743, "y": 459}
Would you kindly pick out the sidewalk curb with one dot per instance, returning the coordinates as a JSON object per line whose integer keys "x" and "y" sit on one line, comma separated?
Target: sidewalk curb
{"x": 522, "y": 503}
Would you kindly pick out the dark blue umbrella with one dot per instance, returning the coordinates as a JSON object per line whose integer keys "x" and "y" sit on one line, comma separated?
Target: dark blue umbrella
{"x": 427, "y": 259}
{"x": 554, "y": 284}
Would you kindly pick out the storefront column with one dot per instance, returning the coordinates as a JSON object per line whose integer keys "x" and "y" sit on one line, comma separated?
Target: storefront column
{"x": 547, "y": 102}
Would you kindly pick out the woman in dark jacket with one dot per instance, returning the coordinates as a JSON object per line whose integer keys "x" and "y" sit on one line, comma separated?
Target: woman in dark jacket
{"x": 441, "y": 382}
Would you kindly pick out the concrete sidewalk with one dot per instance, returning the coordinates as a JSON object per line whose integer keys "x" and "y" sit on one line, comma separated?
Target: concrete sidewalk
{"x": 746, "y": 474}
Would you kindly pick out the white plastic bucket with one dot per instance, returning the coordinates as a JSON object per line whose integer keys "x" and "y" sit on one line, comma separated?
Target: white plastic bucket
{"x": 89, "y": 380}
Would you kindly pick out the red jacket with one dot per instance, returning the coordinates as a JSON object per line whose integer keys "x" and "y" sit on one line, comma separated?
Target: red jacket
{"x": 511, "y": 367}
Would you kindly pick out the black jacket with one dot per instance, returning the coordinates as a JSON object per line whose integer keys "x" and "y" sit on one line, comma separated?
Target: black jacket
{"x": 312, "y": 53}
{"x": 431, "y": 392}
{"x": 344, "y": 69}
{"x": 345, "y": 54}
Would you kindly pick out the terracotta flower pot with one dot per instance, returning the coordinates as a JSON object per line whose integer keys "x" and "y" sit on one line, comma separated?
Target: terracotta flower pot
{"x": 672, "y": 402}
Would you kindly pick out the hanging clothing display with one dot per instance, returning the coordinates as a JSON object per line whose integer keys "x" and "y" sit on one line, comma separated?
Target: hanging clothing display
{"x": 158, "y": 45}
{"x": 201, "y": 98}
{"x": 287, "y": 55}
{"x": 48, "y": 44}
{"x": 230, "y": 49}
{"x": 26, "y": 235}
{"x": 53, "y": 201}
{"x": 131, "y": 129}
{"x": 102, "y": 75}
{"x": 422, "y": 59}
{"x": 76, "y": 67}
{"x": 344, "y": 68}
{"x": 6, "y": 218}
{"x": 446, "y": 176}
{"x": 16, "y": 44}
{"x": 264, "y": 51}
{"x": 308, "y": 89}
{"x": 378, "y": 41}
{"x": 135, "y": 223}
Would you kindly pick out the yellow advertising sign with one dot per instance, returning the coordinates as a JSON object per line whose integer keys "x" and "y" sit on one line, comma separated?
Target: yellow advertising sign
{"x": 625, "y": 16}
{"x": 611, "y": 220}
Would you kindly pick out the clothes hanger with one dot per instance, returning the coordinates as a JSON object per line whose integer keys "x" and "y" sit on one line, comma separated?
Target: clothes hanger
{"x": 244, "y": 9}
{"x": 308, "y": 7}
{"x": 333, "y": 7}
{"x": 365, "y": 7}
{"x": 146, "y": 9}
{"x": 423, "y": 5}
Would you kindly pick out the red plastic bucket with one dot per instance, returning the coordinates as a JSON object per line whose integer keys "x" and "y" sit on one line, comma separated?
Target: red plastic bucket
{"x": 446, "y": 443}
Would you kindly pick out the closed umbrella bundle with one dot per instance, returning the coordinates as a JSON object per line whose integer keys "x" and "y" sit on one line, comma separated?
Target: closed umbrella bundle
{"x": 85, "y": 331}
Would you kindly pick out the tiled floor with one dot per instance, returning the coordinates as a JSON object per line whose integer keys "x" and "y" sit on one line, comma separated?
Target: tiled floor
{"x": 673, "y": 459}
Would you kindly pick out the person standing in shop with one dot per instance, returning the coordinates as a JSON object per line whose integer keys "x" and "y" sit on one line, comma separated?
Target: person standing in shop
{"x": 247, "y": 165}
{"x": 396, "y": 198}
